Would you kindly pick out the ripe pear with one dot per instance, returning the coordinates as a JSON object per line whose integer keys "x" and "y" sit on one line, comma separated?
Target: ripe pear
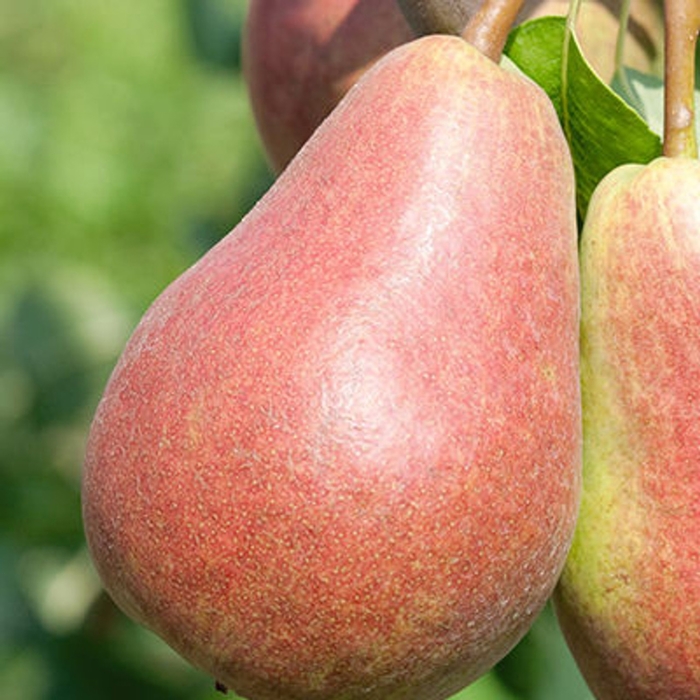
{"x": 629, "y": 597}
{"x": 300, "y": 57}
{"x": 340, "y": 455}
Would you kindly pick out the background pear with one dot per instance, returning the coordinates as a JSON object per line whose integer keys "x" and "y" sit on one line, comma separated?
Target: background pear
{"x": 301, "y": 56}
{"x": 339, "y": 456}
{"x": 629, "y": 597}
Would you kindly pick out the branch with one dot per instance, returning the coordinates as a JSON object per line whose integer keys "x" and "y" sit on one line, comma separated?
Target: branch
{"x": 488, "y": 29}
{"x": 682, "y": 22}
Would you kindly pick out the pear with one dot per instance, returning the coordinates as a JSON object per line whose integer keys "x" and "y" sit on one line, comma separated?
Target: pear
{"x": 629, "y": 597}
{"x": 300, "y": 57}
{"x": 340, "y": 455}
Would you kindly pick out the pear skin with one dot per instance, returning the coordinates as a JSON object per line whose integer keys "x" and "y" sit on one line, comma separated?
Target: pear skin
{"x": 629, "y": 597}
{"x": 339, "y": 457}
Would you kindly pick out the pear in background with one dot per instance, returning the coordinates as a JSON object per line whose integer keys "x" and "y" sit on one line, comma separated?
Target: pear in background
{"x": 301, "y": 56}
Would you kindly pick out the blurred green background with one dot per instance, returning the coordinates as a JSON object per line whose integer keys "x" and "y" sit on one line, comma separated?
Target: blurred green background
{"x": 127, "y": 148}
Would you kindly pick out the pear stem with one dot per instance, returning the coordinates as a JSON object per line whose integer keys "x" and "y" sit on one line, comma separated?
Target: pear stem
{"x": 682, "y": 25}
{"x": 488, "y": 28}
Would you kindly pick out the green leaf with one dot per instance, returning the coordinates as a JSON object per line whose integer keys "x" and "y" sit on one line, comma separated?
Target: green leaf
{"x": 602, "y": 129}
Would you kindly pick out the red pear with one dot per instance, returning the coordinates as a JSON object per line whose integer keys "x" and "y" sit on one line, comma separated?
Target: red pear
{"x": 301, "y": 56}
{"x": 339, "y": 457}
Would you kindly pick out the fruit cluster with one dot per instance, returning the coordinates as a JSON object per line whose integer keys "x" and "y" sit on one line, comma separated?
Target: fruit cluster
{"x": 354, "y": 450}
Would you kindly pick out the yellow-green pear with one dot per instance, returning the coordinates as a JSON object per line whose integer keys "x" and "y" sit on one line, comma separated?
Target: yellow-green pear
{"x": 629, "y": 597}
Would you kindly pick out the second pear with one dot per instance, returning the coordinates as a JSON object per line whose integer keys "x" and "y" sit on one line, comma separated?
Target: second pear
{"x": 629, "y": 598}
